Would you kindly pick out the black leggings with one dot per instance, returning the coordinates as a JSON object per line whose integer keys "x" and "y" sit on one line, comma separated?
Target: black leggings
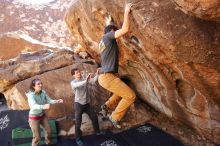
{"x": 79, "y": 110}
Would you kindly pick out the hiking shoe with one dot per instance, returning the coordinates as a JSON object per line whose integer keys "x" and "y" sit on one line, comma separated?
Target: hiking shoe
{"x": 115, "y": 123}
{"x": 104, "y": 110}
{"x": 79, "y": 142}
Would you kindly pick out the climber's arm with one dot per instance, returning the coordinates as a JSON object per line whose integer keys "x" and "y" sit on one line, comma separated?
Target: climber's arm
{"x": 126, "y": 23}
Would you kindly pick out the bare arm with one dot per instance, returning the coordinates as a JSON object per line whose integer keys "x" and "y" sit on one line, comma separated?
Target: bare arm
{"x": 126, "y": 22}
{"x": 51, "y": 101}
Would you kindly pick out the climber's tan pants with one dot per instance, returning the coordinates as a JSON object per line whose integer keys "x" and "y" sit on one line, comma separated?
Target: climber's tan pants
{"x": 123, "y": 96}
{"x": 35, "y": 127}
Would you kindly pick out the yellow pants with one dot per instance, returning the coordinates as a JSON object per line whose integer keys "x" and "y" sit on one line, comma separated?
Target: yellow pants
{"x": 35, "y": 127}
{"x": 123, "y": 96}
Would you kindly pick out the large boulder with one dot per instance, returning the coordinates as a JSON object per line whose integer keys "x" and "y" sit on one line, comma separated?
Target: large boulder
{"x": 204, "y": 9}
{"x": 171, "y": 59}
{"x": 32, "y": 63}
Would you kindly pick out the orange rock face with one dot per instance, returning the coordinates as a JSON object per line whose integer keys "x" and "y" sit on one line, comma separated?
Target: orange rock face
{"x": 204, "y": 9}
{"x": 172, "y": 59}
{"x": 11, "y": 47}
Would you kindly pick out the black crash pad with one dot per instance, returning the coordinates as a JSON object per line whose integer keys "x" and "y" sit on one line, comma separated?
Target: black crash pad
{"x": 144, "y": 135}
{"x": 107, "y": 139}
{"x": 148, "y": 135}
{"x": 9, "y": 120}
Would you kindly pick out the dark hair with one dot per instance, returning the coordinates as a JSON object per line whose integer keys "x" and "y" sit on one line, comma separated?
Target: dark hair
{"x": 33, "y": 82}
{"x": 109, "y": 28}
{"x": 73, "y": 71}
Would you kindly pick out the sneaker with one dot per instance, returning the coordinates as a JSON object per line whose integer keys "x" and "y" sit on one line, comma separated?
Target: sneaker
{"x": 79, "y": 142}
{"x": 115, "y": 123}
{"x": 104, "y": 110}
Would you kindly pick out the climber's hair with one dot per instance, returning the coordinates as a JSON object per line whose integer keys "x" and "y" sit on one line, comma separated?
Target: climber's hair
{"x": 110, "y": 28}
{"x": 33, "y": 82}
{"x": 73, "y": 71}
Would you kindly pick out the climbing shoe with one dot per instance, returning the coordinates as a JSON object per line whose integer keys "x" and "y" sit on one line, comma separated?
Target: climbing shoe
{"x": 115, "y": 123}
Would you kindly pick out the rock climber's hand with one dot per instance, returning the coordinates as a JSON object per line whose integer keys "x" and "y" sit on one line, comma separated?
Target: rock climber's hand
{"x": 128, "y": 7}
{"x": 88, "y": 77}
{"x": 98, "y": 71}
{"x": 60, "y": 101}
{"x": 46, "y": 106}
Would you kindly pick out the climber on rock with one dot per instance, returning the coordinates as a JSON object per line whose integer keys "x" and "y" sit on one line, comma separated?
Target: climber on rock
{"x": 82, "y": 102}
{"x": 123, "y": 96}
